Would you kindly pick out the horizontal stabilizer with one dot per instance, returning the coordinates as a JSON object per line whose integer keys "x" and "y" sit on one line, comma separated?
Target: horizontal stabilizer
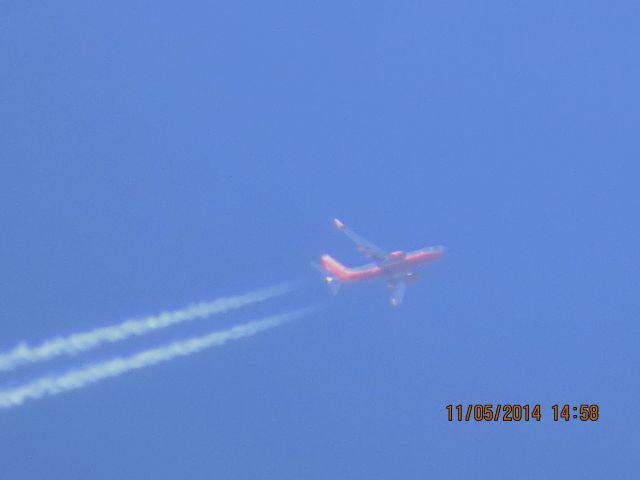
{"x": 331, "y": 280}
{"x": 333, "y": 284}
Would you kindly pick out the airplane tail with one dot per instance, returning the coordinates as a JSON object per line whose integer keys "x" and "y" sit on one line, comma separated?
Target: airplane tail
{"x": 329, "y": 278}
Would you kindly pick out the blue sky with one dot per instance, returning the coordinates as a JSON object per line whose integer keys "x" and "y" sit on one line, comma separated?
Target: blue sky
{"x": 155, "y": 154}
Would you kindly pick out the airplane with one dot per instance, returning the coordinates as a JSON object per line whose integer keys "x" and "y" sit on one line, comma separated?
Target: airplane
{"x": 396, "y": 267}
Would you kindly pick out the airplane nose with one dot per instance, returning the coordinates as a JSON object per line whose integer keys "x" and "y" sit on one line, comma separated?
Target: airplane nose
{"x": 441, "y": 249}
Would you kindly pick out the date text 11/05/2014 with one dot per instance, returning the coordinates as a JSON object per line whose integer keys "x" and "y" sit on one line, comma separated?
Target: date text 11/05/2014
{"x": 514, "y": 412}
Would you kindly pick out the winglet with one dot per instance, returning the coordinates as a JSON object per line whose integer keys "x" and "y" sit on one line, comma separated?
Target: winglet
{"x": 339, "y": 225}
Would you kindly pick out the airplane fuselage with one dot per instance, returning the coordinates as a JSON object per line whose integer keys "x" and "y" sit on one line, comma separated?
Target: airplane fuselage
{"x": 396, "y": 264}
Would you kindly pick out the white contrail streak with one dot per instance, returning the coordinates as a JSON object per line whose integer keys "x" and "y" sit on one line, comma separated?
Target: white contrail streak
{"x": 83, "y": 341}
{"x": 92, "y": 373}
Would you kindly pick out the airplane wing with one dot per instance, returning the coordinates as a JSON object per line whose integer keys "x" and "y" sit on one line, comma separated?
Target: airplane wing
{"x": 364, "y": 246}
{"x": 397, "y": 290}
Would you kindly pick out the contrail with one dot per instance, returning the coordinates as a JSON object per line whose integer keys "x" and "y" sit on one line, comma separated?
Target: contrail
{"x": 92, "y": 373}
{"x": 83, "y": 341}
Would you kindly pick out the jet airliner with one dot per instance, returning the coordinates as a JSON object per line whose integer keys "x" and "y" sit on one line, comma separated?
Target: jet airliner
{"x": 395, "y": 268}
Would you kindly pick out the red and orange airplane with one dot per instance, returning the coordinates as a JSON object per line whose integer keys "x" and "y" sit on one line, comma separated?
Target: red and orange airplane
{"x": 396, "y": 268}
